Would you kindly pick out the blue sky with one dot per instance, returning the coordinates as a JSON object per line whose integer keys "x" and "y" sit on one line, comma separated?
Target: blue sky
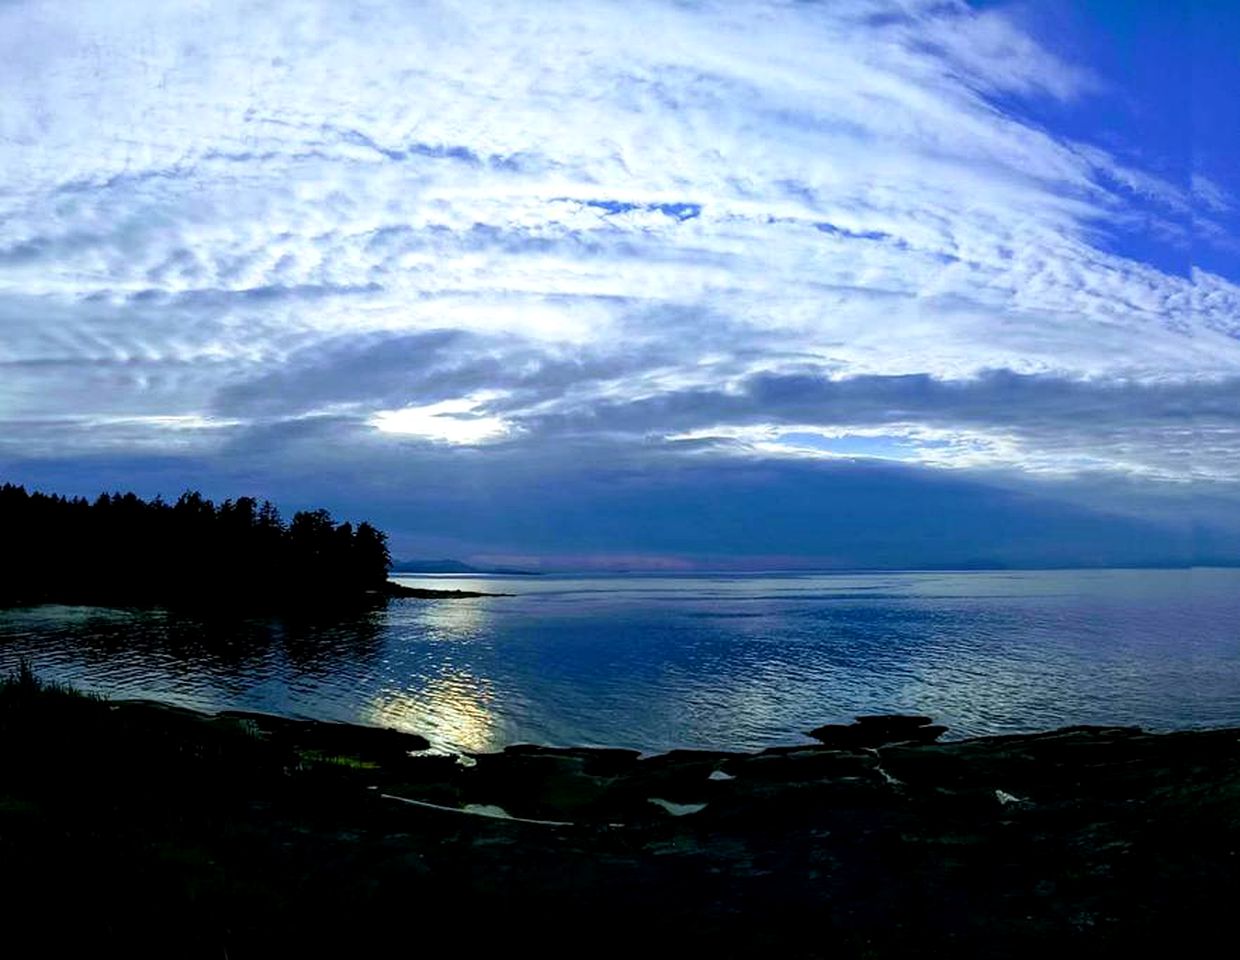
{"x": 892, "y": 282}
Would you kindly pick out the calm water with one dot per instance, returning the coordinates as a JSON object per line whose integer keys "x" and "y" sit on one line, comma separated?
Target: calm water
{"x": 702, "y": 661}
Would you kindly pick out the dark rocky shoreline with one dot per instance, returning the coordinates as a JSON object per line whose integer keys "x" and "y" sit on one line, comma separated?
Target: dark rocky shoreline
{"x": 261, "y": 834}
{"x": 425, "y": 593}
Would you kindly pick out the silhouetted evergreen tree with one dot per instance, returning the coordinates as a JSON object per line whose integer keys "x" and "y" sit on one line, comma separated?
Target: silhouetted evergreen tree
{"x": 121, "y": 549}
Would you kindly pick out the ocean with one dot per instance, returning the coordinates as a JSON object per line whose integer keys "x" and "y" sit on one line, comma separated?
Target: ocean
{"x": 721, "y": 661}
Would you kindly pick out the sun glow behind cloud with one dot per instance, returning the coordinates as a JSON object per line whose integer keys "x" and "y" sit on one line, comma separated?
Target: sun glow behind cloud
{"x": 449, "y": 421}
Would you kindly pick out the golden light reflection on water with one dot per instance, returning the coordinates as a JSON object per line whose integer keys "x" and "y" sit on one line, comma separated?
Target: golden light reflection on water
{"x": 453, "y": 711}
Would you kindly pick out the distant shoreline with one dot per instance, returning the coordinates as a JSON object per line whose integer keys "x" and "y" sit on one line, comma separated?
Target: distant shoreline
{"x": 798, "y": 571}
{"x": 242, "y": 606}
{"x": 397, "y": 590}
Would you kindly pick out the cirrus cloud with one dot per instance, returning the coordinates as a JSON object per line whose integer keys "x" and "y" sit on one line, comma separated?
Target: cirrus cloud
{"x": 757, "y": 230}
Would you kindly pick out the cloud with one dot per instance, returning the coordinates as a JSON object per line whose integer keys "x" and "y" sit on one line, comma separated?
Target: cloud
{"x": 1174, "y": 430}
{"x": 780, "y": 231}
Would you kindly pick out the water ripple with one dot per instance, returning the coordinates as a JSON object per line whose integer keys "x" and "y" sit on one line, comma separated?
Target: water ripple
{"x": 719, "y": 661}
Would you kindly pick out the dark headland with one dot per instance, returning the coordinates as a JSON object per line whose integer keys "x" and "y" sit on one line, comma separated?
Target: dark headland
{"x": 131, "y": 828}
{"x": 238, "y": 555}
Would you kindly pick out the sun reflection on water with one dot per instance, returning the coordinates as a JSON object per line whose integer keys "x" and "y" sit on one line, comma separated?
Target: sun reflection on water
{"x": 453, "y": 711}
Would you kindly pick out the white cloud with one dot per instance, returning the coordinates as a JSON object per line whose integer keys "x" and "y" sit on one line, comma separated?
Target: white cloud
{"x": 615, "y": 201}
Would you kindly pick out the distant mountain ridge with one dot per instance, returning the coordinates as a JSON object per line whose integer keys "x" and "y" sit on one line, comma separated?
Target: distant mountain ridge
{"x": 455, "y": 566}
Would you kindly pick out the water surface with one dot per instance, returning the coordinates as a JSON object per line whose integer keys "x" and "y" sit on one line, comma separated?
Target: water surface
{"x": 725, "y": 661}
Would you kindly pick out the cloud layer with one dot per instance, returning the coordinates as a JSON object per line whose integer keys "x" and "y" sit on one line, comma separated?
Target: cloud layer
{"x": 665, "y": 233}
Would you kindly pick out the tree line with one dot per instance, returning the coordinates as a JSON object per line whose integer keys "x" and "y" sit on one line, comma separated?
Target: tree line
{"x": 122, "y": 549}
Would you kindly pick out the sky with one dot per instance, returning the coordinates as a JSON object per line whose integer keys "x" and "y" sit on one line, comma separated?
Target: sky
{"x": 637, "y": 285}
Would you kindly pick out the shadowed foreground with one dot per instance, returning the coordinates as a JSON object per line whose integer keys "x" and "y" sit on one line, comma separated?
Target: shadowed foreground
{"x": 140, "y": 828}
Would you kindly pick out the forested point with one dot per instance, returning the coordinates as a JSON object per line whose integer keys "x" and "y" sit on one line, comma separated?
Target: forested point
{"x": 123, "y": 550}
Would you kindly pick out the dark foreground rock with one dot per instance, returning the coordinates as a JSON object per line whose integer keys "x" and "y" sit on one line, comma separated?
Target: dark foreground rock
{"x": 878, "y": 731}
{"x": 146, "y": 830}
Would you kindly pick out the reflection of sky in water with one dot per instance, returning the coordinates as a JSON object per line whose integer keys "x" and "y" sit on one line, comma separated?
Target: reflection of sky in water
{"x": 726, "y": 661}
{"x": 456, "y": 622}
